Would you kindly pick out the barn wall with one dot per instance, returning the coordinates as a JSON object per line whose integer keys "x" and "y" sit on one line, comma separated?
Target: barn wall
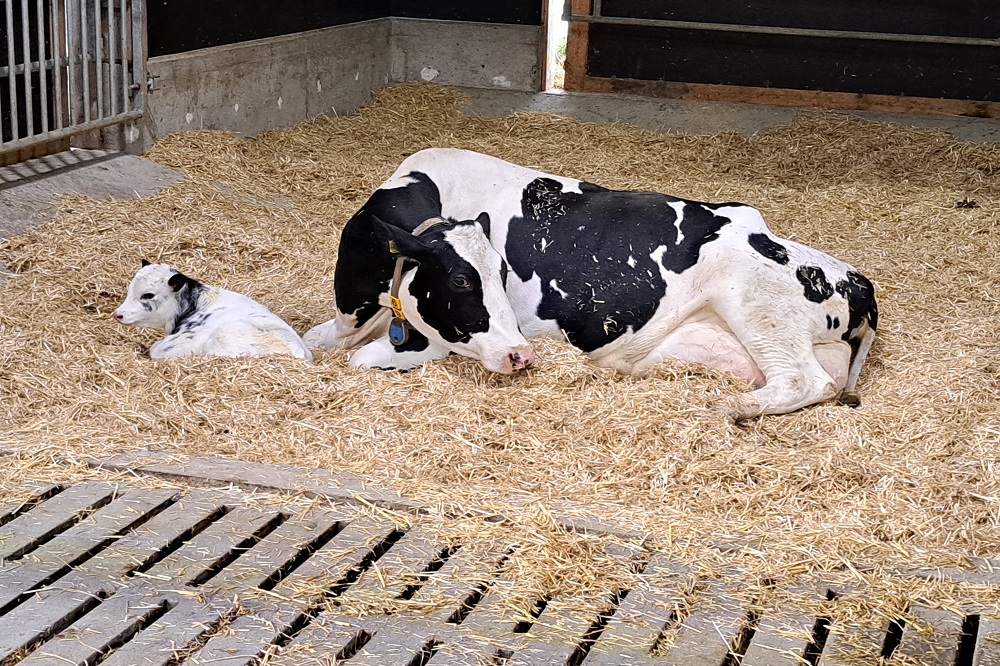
{"x": 176, "y": 26}
{"x": 218, "y": 69}
{"x": 872, "y": 66}
{"x": 253, "y": 86}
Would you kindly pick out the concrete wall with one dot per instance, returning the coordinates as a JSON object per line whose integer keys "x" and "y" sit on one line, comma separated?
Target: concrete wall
{"x": 276, "y": 82}
{"x": 473, "y": 55}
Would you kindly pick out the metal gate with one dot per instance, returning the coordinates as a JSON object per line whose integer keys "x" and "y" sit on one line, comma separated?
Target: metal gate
{"x": 67, "y": 67}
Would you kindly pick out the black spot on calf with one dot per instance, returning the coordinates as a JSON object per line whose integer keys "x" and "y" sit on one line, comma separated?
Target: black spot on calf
{"x": 813, "y": 279}
{"x": 769, "y": 248}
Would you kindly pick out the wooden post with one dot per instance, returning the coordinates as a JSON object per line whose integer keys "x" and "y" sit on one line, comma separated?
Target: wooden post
{"x": 576, "y": 47}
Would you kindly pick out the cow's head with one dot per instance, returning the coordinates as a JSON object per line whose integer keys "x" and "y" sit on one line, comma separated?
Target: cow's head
{"x": 455, "y": 295}
{"x": 157, "y": 295}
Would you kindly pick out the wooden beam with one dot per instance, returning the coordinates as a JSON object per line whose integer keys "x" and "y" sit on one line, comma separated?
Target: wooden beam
{"x": 787, "y": 97}
{"x": 576, "y": 47}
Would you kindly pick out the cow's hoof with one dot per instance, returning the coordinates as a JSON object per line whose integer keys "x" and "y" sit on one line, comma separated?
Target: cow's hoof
{"x": 737, "y": 409}
{"x": 849, "y": 398}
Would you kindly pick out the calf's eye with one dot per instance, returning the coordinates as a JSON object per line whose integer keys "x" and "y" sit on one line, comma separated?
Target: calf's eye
{"x": 146, "y": 297}
{"x": 461, "y": 282}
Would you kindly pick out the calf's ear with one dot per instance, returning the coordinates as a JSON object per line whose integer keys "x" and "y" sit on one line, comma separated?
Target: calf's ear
{"x": 484, "y": 222}
{"x": 398, "y": 241}
{"x": 177, "y": 281}
{"x": 145, "y": 263}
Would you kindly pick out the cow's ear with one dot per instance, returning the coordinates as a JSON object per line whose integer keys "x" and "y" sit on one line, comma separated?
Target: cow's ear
{"x": 177, "y": 281}
{"x": 484, "y": 222}
{"x": 145, "y": 263}
{"x": 398, "y": 241}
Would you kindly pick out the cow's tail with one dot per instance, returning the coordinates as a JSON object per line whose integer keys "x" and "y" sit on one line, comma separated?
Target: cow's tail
{"x": 861, "y": 340}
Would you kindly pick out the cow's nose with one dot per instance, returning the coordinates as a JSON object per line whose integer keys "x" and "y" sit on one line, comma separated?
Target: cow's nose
{"x": 521, "y": 358}
{"x": 118, "y": 316}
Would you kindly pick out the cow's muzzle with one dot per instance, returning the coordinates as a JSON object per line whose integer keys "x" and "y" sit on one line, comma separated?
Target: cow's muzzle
{"x": 519, "y": 358}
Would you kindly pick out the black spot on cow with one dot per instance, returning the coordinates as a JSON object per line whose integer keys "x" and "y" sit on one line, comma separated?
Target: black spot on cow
{"x": 768, "y": 248}
{"x": 592, "y": 252}
{"x": 188, "y": 291}
{"x": 860, "y": 295}
{"x": 813, "y": 279}
{"x": 364, "y": 265}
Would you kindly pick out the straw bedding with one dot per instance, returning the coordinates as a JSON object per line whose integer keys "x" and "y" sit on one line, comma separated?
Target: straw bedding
{"x": 909, "y": 478}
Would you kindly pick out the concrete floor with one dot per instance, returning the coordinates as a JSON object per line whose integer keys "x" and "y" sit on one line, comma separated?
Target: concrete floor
{"x": 28, "y": 189}
{"x": 697, "y": 117}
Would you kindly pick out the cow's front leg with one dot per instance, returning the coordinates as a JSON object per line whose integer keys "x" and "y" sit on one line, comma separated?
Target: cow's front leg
{"x": 382, "y": 354}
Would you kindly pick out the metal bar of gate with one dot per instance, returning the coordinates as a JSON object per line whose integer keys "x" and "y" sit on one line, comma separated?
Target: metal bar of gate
{"x": 58, "y": 23}
{"x": 777, "y": 30}
{"x": 86, "y": 60}
{"x": 71, "y": 37}
{"x": 139, "y": 51}
{"x": 99, "y": 57}
{"x": 112, "y": 88}
{"x": 29, "y": 107}
{"x": 124, "y": 45}
{"x": 72, "y": 130}
{"x": 70, "y": 34}
{"x": 43, "y": 69}
{"x": 11, "y": 81}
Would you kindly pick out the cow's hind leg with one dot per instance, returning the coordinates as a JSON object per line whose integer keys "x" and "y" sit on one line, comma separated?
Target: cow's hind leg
{"x": 783, "y": 350}
{"x": 384, "y": 355}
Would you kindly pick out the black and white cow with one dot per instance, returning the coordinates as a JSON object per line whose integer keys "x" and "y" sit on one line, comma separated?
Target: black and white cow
{"x": 630, "y": 278}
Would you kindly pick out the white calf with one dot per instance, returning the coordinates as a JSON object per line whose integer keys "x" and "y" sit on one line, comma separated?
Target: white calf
{"x": 199, "y": 319}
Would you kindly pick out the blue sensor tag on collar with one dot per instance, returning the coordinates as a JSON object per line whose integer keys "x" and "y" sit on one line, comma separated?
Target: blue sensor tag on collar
{"x": 399, "y": 331}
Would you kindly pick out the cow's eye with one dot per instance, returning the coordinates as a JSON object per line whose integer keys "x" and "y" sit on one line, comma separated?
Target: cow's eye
{"x": 146, "y": 297}
{"x": 461, "y": 282}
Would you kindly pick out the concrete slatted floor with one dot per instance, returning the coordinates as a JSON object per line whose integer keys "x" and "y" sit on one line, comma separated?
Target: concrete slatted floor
{"x": 105, "y": 573}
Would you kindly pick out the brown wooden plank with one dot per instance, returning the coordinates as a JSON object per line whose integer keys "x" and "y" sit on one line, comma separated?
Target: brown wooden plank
{"x": 329, "y": 565}
{"x": 47, "y": 612}
{"x": 210, "y": 547}
{"x": 97, "y": 632}
{"x": 447, "y": 588}
{"x": 788, "y": 97}
{"x": 647, "y": 609}
{"x": 933, "y": 639}
{"x": 705, "y": 636}
{"x": 328, "y": 637}
{"x": 848, "y": 644}
{"x": 66, "y": 550}
{"x": 249, "y": 636}
{"x": 176, "y": 631}
{"x": 395, "y": 644}
{"x": 489, "y": 627}
{"x": 34, "y": 493}
{"x": 390, "y": 575}
{"x": 339, "y": 487}
{"x": 987, "y": 652}
{"x": 576, "y": 47}
{"x": 558, "y": 632}
{"x": 51, "y": 517}
{"x": 784, "y": 631}
{"x": 142, "y": 545}
{"x": 276, "y": 551}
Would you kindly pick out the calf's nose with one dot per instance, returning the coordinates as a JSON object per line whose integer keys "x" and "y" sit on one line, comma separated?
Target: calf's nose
{"x": 118, "y": 316}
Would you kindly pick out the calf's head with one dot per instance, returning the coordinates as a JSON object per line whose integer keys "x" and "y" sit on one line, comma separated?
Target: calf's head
{"x": 455, "y": 295}
{"x": 157, "y": 296}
